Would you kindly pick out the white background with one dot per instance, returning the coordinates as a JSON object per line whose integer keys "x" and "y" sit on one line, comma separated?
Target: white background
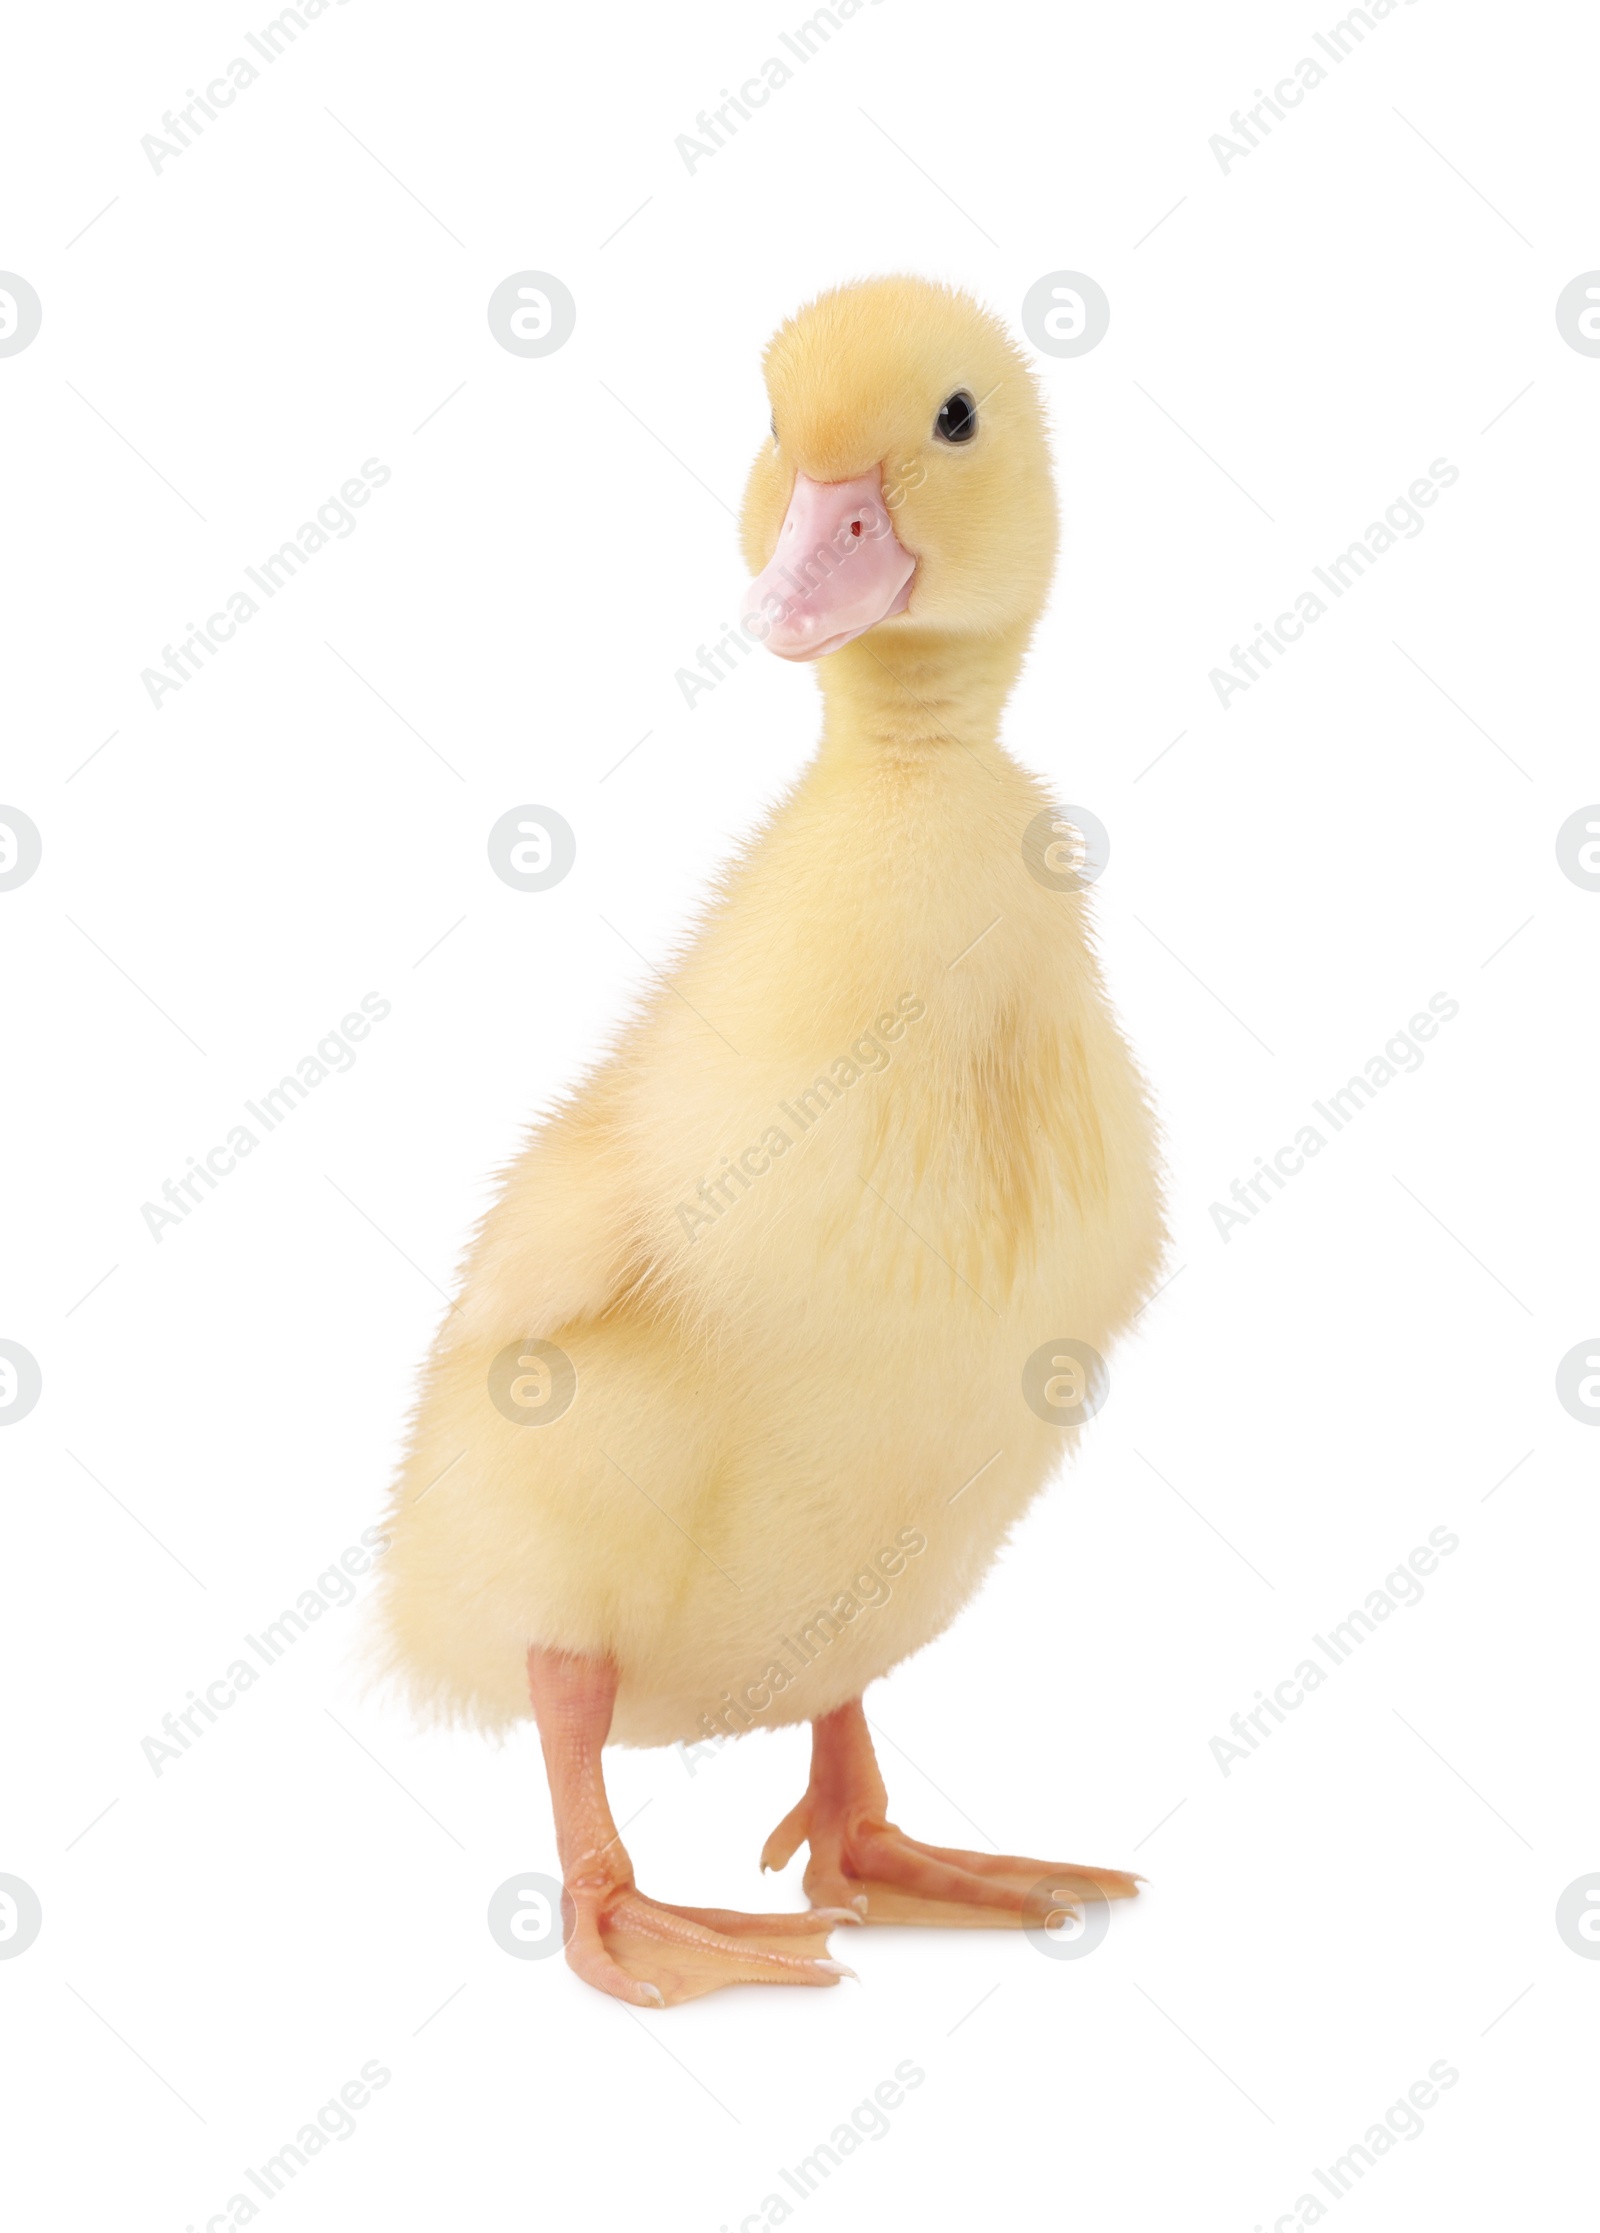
{"x": 1372, "y": 1358}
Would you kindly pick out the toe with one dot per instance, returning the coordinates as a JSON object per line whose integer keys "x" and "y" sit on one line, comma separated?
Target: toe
{"x": 682, "y": 1953}
{"x": 787, "y": 1839}
{"x": 1073, "y": 1878}
{"x": 890, "y": 1861}
{"x": 908, "y": 1882}
{"x": 1070, "y": 1876}
{"x": 810, "y": 1922}
{"x": 591, "y": 1958}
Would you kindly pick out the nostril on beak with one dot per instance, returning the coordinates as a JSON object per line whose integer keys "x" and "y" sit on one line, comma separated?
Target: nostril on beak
{"x": 821, "y": 604}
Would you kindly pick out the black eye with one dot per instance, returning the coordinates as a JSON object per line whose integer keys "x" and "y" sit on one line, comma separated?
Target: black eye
{"x": 958, "y": 418}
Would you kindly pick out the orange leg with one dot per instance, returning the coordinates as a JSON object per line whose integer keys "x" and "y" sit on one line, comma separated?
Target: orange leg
{"x": 860, "y": 1860}
{"x": 639, "y": 1949}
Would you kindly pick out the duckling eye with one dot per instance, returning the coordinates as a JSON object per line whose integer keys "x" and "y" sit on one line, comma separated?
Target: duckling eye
{"x": 958, "y": 418}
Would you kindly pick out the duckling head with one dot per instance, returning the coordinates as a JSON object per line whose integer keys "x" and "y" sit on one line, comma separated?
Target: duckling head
{"x": 904, "y": 496}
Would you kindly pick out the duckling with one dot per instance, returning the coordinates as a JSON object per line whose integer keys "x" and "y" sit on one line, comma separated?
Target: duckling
{"x": 730, "y": 1414}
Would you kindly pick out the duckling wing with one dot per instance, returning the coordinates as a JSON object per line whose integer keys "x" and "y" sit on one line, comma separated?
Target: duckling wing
{"x": 559, "y": 1244}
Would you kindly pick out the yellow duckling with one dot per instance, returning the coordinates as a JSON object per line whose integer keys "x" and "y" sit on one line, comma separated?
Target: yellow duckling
{"x": 780, "y": 1323}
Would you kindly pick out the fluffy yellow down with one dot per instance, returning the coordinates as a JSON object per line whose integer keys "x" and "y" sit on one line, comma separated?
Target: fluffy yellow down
{"x": 800, "y": 1251}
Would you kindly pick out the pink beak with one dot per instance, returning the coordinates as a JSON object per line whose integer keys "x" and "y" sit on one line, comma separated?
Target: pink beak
{"x": 837, "y": 571}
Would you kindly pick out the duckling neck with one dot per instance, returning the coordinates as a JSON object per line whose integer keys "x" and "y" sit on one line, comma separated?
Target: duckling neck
{"x": 917, "y": 691}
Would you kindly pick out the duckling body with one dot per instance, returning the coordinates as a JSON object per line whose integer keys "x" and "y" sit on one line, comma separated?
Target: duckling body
{"x": 873, "y": 1144}
{"x": 810, "y": 1304}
